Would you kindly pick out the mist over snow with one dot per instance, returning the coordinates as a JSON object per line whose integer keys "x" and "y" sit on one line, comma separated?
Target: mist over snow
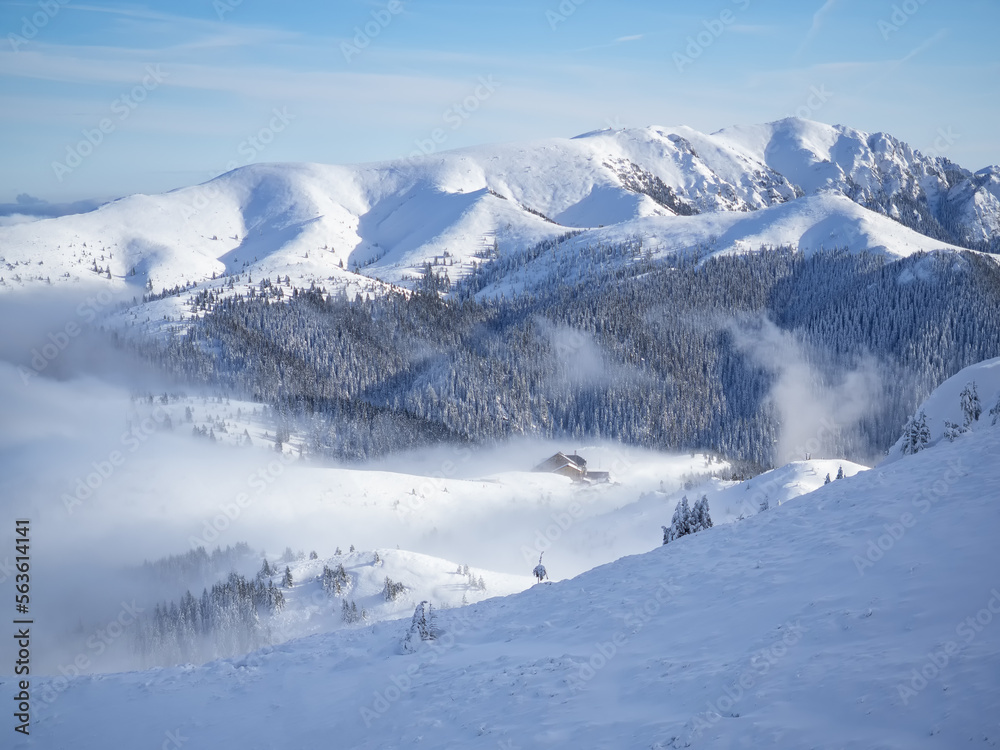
{"x": 277, "y": 438}
{"x": 818, "y": 411}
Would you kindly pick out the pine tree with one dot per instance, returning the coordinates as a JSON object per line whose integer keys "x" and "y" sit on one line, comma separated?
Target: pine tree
{"x": 827, "y": 480}
{"x": 916, "y": 434}
{"x": 423, "y": 627}
{"x": 702, "y": 518}
{"x": 286, "y": 581}
{"x": 995, "y": 411}
{"x": 971, "y": 407}
{"x": 684, "y": 518}
{"x": 840, "y": 472}
{"x": 392, "y": 589}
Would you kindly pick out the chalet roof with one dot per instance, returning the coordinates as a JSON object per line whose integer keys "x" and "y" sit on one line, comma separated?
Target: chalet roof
{"x": 560, "y": 461}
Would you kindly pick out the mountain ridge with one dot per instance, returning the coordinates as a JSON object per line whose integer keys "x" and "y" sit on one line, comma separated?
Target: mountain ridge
{"x": 358, "y": 226}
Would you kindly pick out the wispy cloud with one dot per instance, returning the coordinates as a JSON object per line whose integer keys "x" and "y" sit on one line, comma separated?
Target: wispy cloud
{"x": 817, "y": 24}
{"x": 615, "y": 42}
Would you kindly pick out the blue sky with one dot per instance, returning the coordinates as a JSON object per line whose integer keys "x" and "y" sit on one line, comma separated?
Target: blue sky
{"x": 175, "y": 93}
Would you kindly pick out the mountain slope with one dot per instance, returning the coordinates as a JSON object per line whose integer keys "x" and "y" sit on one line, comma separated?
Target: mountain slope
{"x": 929, "y": 194}
{"x": 861, "y": 615}
{"x": 346, "y": 226}
{"x": 944, "y": 405}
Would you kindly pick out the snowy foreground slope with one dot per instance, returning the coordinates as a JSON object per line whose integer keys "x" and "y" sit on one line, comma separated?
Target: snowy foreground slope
{"x": 364, "y": 226}
{"x": 863, "y": 615}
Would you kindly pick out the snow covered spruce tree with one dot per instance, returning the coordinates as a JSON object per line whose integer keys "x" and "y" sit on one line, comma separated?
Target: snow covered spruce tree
{"x": 701, "y": 519}
{"x": 334, "y": 580}
{"x": 995, "y": 411}
{"x": 687, "y": 520}
{"x": 971, "y": 408}
{"x": 916, "y": 434}
{"x": 392, "y": 589}
{"x": 423, "y": 627}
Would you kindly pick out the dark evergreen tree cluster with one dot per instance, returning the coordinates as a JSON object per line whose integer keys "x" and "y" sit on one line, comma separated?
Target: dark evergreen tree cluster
{"x": 392, "y": 589}
{"x": 198, "y": 567}
{"x": 335, "y": 581}
{"x": 224, "y": 621}
{"x": 364, "y": 377}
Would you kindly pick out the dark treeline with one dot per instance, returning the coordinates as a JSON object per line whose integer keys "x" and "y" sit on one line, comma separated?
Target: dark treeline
{"x": 645, "y": 354}
{"x": 227, "y": 620}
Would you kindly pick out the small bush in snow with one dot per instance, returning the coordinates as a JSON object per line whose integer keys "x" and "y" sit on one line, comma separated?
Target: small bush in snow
{"x": 952, "y": 430}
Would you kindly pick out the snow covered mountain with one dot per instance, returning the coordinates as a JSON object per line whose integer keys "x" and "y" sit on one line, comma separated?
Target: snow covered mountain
{"x": 359, "y": 226}
{"x": 863, "y": 614}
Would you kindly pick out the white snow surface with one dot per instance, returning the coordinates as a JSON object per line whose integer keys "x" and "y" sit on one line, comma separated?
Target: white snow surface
{"x": 945, "y": 403}
{"x": 865, "y": 614}
{"x": 368, "y": 227}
